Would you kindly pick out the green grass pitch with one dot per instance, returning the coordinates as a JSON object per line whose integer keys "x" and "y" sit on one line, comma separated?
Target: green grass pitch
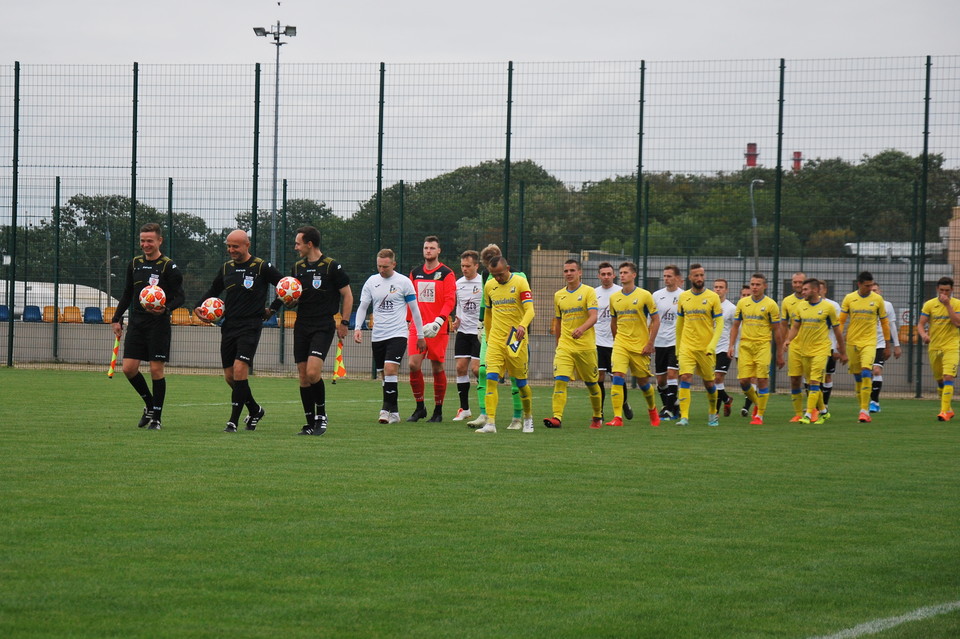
{"x": 430, "y": 530}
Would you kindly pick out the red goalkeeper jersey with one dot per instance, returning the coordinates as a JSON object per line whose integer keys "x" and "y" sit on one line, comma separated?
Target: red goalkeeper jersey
{"x": 436, "y": 293}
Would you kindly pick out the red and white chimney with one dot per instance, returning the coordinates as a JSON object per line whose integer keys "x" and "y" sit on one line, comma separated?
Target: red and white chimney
{"x": 751, "y": 155}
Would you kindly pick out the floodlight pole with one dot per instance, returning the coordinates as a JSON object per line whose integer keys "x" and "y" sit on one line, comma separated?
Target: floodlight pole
{"x": 288, "y": 31}
{"x": 756, "y": 232}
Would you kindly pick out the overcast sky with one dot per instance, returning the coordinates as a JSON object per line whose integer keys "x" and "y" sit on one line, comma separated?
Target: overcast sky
{"x": 220, "y": 31}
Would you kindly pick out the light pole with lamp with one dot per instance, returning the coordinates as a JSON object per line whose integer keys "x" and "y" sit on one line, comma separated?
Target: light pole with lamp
{"x": 276, "y": 32}
{"x": 756, "y": 231}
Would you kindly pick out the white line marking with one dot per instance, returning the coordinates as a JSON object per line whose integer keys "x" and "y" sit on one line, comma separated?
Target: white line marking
{"x": 878, "y": 625}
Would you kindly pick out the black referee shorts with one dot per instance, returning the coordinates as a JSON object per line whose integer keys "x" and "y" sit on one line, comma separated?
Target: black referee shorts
{"x": 312, "y": 339}
{"x": 239, "y": 343}
{"x": 148, "y": 340}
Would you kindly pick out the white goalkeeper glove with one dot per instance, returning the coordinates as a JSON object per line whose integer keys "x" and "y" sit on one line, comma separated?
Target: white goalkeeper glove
{"x": 433, "y": 328}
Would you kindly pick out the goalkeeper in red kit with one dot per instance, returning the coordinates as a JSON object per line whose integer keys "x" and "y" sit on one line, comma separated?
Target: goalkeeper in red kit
{"x": 436, "y": 287}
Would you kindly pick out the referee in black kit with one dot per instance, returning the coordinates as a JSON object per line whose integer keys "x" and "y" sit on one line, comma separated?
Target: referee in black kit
{"x": 148, "y": 337}
{"x": 246, "y": 281}
{"x": 326, "y": 292}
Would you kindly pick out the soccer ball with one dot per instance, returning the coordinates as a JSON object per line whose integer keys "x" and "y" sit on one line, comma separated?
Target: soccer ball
{"x": 211, "y": 309}
{"x": 152, "y": 298}
{"x": 289, "y": 290}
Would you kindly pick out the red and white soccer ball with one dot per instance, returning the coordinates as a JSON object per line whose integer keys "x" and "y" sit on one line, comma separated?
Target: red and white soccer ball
{"x": 211, "y": 309}
{"x": 152, "y": 298}
{"x": 289, "y": 290}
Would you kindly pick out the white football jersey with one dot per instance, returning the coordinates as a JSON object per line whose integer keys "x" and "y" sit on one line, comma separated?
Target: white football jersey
{"x": 602, "y": 327}
{"x": 667, "y": 310}
{"x": 729, "y": 309}
{"x": 469, "y": 300}
{"x": 388, "y": 298}
{"x": 892, "y": 321}
{"x": 833, "y": 338}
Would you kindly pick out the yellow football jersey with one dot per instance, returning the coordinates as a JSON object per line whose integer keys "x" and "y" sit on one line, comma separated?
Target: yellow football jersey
{"x": 757, "y": 318}
{"x": 632, "y": 312}
{"x": 816, "y": 321}
{"x": 699, "y": 313}
{"x": 508, "y": 305}
{"x": 943, "y": 334}
{"x": 790, "y": 302}
{"x": 863, "y": 313}
{"x": 571, "y": 308}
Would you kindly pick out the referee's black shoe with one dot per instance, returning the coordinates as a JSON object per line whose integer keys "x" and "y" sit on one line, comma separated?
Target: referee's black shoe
{"x": 154, "y": 424}
{"x": 252, "y": 420}
{"x": 145, "y": 419}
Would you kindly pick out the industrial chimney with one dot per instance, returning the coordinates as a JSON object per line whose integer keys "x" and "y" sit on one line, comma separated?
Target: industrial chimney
{"x": 751, "y": 155}
{"x": 797, "y": 161}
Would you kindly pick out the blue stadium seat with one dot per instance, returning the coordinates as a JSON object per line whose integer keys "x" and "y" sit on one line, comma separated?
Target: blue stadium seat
{"x": 4, "y": 313}
{"x": 92, "y": 315}
{"x": 32, "y": 314}
{"x": 271, "y": 323}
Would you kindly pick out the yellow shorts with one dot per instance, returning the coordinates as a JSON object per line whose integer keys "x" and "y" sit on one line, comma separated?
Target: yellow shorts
{"x": 754, "y": 360}
{"x": 633, "y": 362}
{"x": 860, "y": 358}
{"x": 794, "y": 361}
{"x": 583, "y": 363}
{"x": 697, "y": 363}
{"x": 505, "y": 363}
{"x": 814, "y": 366}
{"x": 944, "y": 363}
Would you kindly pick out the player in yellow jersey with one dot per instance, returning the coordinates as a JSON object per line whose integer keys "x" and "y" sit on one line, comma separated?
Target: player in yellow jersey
{"x": 634, "y": 322}
{"x": 863, "y": 308}
{"x": 699, "y": 326}
{"x": 939, "y": 327}
{"x": 509, "y": 311}
{"x": 793, "y": 355}
{"x": 575, "y": 313}
{"x": 813, "y": 320}
{"x": 756, "y": 321}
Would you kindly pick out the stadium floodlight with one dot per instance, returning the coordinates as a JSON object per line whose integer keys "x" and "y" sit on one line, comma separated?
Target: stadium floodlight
{"x": 276, "y": 32}
{"x": 756, "y": 232}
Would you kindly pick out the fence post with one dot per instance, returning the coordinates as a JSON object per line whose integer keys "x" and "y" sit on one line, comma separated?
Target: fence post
{"x": 282, "y": 269}
{"x": 170, "y": 215}
{"x": 506, "y": 164}
{"x": 923, "y": 199}
{"x": 56, "y": 270}
{"x": 133, "y": 163}
{"x": 913, "y": 296}
{"x": 378, "y": 219}
{"x": 254, "y": 205}
{"x": 403, "y": 202}
{"x": 777, "y": 211}
{"x": 12, "y": 272}
{"x": 639, "y": 216}
{"x": 522, "y": 213}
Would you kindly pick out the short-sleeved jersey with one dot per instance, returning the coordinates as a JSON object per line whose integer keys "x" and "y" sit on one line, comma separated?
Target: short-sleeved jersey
{"x": 436, "y": 292}
{"x": 246, "y": 285}
{"x": 633, "y": 312}
{"x": 891, "y": 324}
{"x": 758, "y": 318}
{"x": 943, "y": 334}
{"x": 816, "y": 322}
{"x": 141, "y": 273}
{"x": 699, "y": 312}
{"x": 509, "y": 304}
{"x": 602, "y": 327}
{"x": 667, "y": 309}
{"x": 322, "y": 281}
{"x": 469, "y": 301}
{"x": 836, "y": 307}
{"x": 728, "y": 310}
{"x": 388, "y": 298}
{"x": 571, "y": 308}
{"x": 790, "y": 302}
{"x": 863, "y": 312}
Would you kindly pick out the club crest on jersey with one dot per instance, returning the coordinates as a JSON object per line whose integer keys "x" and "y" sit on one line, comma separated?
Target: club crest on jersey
{"x": 438, "y": 275}
{"x": 393, "y": 289}
{"x": 248, "y": 281}
{"x": 513, "y": 290}
{"x": 317, "y": 280}
{"x": 154, "y": 279}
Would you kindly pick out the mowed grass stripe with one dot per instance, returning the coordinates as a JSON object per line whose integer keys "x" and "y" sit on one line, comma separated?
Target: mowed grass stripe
{"x": 431, "y": 530}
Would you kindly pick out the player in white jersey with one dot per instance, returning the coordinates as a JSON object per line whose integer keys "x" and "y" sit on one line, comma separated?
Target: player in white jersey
{"x": 389, "y": 294}
{"x": 724, "y": 347}
{"x": 666, "y": 368}
{"x": 607, "y": 288}
{"x": 878, "y": 361}
{"x": 466, "y": 347}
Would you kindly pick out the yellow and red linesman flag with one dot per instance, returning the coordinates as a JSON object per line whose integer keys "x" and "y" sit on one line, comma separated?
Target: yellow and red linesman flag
{"x": 113, "y": 360}
{"x": 339, "y": 371}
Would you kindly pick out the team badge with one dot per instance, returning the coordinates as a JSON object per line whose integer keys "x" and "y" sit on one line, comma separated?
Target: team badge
{"x": 248, "y": 281}
{"x": 317, "y": 280}
{"x": 438, "y": 275}
{"x": 154, "y": 279}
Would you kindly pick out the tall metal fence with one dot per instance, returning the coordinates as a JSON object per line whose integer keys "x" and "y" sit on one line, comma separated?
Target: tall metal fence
{"x": 826, "y": 166}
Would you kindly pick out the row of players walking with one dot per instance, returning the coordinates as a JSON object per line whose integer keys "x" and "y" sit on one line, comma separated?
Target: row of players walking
{"x": 655, "y": 341}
